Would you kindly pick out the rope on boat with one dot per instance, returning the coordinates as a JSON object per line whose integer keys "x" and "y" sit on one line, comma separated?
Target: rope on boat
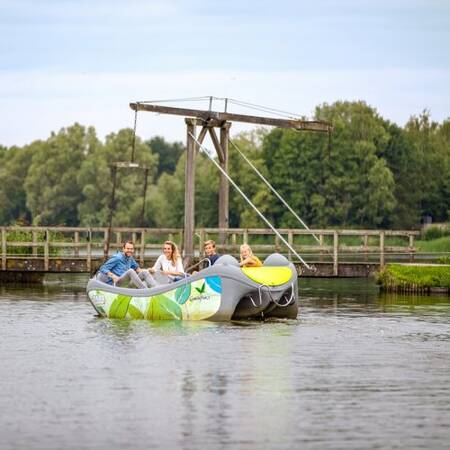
{"x": 289, "y": 246}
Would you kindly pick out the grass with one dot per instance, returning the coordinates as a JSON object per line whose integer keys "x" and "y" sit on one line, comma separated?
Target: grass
{"x": 439, "y": 245}
{"x": 414, "y": 277}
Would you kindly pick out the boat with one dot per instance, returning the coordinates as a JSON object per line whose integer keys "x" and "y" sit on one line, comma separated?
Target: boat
{"x": 222, "y": 292}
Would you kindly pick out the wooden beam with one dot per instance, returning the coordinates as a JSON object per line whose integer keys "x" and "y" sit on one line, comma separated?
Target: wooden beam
{"x": 189, "y": 192}
{"x": 224, "y": 188}
{"x": 217, "y": 145}
{"x": 308, "y": 125}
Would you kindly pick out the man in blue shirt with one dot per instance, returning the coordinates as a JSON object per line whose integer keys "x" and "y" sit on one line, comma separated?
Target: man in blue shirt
{"x": 122, "y": 269}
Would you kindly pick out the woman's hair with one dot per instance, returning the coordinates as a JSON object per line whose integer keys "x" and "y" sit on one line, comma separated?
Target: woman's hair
{"x": 243, "y": 246}
{"x": 175, "y": 253}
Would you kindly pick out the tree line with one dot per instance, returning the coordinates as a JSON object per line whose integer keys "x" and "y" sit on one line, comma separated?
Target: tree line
{"x": 371, "y": 173}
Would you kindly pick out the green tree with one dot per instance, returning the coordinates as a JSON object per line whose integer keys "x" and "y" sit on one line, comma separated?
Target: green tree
{"x": 345, "y": 185}
{"x": 169, "y": 154}
{"x": 95, "y": 179}
{"x": 14, "y": 166}
{"x": 51, "y": 185}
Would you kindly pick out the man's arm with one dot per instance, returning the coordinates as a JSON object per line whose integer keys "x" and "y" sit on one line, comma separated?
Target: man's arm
{"x": 108, "y": 266}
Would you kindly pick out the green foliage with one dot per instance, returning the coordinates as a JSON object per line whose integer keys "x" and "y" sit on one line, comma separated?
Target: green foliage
{"x": 374, "y": 174}
{"x": 168, "y": 153}
{"x": 395, "y": 276}
{"x": 436, "y": 232}
{"x": 51, "y": 184}
{"x": 95, "y": 179}
{"x": 439, "y": 245}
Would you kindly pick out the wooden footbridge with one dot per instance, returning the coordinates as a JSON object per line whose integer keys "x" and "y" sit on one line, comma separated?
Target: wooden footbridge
{"x": 27, "y": 253}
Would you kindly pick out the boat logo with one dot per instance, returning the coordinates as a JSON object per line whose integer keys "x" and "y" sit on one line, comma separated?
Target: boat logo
{"x": 201, "y": 289}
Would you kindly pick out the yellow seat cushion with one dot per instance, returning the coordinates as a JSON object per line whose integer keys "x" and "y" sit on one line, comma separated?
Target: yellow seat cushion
{"x": 270, "y": 276}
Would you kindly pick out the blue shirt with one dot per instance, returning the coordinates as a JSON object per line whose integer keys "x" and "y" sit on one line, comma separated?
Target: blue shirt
{"x": 118, "y": 265}
{"x": 212, "y": 259}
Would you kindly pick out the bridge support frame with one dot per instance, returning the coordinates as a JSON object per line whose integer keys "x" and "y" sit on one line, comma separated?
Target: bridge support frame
{"x": 221, "y": 146}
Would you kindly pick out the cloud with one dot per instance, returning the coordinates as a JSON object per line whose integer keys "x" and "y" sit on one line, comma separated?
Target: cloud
{"x": 36, "y": 103}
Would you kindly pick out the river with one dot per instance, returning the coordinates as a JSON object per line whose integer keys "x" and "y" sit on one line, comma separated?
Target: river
{"x": 357, "y": 370}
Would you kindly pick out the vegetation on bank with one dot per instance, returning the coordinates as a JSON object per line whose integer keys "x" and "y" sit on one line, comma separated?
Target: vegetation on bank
{"x": 399, "y": 277}
{"x": 372, "y": 174}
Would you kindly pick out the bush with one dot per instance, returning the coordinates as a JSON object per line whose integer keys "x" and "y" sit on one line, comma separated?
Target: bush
{"x": 436, "y": 233}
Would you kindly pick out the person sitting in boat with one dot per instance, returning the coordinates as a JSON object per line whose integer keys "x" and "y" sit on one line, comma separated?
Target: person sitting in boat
{"x": 248, "y": 259}
{"x": 209, "y": 248}
{"x": 169, "y": 263}
{"x": 123, "y": 270}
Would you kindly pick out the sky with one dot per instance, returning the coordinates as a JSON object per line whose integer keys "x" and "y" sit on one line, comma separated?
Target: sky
{"x": 67, "y": 61}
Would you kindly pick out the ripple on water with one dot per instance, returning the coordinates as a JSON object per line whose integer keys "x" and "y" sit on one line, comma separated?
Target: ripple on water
{"x": 356, "y": 370}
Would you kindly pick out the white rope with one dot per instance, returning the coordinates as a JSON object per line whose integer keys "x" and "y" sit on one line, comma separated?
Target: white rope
{"x": 250, "y": 203}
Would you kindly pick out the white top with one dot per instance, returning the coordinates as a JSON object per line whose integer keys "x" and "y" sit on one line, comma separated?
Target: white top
{"x": 162, "y": 263}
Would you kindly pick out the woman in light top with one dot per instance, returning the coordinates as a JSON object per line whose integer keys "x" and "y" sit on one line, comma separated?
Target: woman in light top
{"x": 169, "y": 263}
{"x": 248, "y": 259}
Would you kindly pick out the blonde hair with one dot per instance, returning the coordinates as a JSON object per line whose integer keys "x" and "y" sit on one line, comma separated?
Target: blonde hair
{"x": 210, "y": 241}
{"x": 247, "y": 247}
{"x": 175, "y": 253}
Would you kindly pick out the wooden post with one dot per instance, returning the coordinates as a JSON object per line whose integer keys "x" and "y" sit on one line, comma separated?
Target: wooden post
{"x": 291, "y": 243}
{"x": 201, "y": 240}
{"x": 224, "y": 187}
{"x": 3, "y": 248}
{"x": 46, "y": 250}
{"x": 89, "y": 252}
{"x": 411, "y": 248}
{"x": 320, "y": 247}
{"x": 106, "y": 238}
{"x": 35, "y": 240}
{"x": 381, "y": 249}
{"x": 189, "y": 192}
{"x": 77, "y": 241}
{"x": 335, "y": 253}
{"x": 277, "y": 244}
{"x": 142, "y": 250}
{"x": 366, "y": 243}
{"x": 245, "y": 237}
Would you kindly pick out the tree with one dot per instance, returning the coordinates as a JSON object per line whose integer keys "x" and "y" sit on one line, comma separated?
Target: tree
{"x": 345, "y": 185}
{"x": 95, "y": 179}
{"x": 169, "y": 154}
{"x": 52, "y": 189}
{"x": 14, "y": 166}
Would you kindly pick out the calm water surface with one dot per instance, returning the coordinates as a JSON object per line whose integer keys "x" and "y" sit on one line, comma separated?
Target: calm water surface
{"x": 357, "y": 370}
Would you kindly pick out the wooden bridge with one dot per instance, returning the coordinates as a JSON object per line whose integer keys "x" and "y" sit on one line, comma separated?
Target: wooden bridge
{"x": 29, "y": 252}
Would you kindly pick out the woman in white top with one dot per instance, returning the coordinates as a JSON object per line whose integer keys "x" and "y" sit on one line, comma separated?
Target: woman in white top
{"x": 169, "y": 263}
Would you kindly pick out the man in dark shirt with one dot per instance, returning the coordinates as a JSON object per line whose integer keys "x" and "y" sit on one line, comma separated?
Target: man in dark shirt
{"x": 210, "y": 251}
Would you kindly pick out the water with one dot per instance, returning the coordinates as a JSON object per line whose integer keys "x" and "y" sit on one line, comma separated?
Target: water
{"x": 356, "y": 370}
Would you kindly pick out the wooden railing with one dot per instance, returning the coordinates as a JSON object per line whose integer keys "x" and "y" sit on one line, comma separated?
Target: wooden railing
{"x": 87, "y": 244}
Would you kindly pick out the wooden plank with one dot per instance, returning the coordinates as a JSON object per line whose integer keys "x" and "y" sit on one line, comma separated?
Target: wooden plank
{"x": 3, "y": 248}
{"x": 46, "y": 250}
{"x": 307, "y": 125}
{"x": 89, "y": 252}
{"x": 189, "y": 192}
{"x": 224, "y": 188}
{"x": 335, "y": 253}
{"x": 142, "y": 249}
{"x": 382, "y": 261}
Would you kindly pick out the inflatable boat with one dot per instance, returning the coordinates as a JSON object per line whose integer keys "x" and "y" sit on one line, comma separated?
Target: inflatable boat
{"x": 222, "y": 292}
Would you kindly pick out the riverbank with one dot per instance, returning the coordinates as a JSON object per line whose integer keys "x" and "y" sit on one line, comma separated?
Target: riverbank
{"x": 415, "y": 277}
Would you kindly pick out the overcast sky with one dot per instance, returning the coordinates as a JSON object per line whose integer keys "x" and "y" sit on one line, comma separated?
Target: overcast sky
{"x": 66, "y": 61}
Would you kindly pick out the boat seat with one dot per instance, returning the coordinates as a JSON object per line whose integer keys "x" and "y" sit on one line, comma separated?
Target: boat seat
{"x": 269, "y": 276}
